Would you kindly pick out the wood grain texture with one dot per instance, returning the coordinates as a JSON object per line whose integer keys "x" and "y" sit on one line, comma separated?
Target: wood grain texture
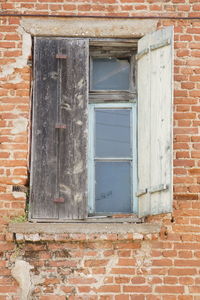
{"x": 45, "y": 110}
{"x": 155, "y": 122}
{"x": 144, "y": 133}
{"x": 73, "y": 139}
{"x": 59, "y": 152}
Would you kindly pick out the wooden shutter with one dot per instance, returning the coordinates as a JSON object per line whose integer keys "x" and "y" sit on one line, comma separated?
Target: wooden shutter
{"x": 59, "y": 135}
{"x": 155, "y": 92}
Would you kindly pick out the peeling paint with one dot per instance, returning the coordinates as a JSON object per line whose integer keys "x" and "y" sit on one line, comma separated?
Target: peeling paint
{"x": 19, "y": 195}
{"x": 21, "y": 272}
{"x": 78, "y": 197}
{"x": 20, "y": 125}
{"x": 79, "y": 122}
{"x": 53, "y": 75}
{"x": 81, "y": 83}
{"x": 21, "y": 61}
{"x": 143, "y": 257}
{"x": 65, "y": 106}
{"x": 78, "y": 168}
{"x": 32, "y": 237}
{"x": 65, "y": 190}
{"x": 16, "y": 181}
{"x": 16, "y": 79}
{"x": 80, "y": 97}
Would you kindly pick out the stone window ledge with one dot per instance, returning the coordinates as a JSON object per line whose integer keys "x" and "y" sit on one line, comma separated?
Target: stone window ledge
{"x": 34, "y": 232}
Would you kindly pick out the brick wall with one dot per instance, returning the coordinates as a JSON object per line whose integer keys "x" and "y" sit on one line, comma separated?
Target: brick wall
{"x": 163, "y": 266}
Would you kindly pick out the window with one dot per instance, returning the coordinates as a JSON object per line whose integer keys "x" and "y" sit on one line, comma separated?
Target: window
{"x": 112, "y": 128}
{"x": 89, "y": 127}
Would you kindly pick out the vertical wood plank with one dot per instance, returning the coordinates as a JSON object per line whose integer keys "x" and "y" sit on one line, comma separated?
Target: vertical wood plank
{"x": 161, "y": 121}
{"x": 73, "y": 140}
{"x": 155, "y": 121}
{"x": 59, "y": 155}
{"x": 44, "y": 159}
{"x": 144, "y": 133}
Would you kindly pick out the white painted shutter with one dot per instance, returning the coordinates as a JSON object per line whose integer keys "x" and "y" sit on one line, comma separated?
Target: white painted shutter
{"x": 155, "y": 94}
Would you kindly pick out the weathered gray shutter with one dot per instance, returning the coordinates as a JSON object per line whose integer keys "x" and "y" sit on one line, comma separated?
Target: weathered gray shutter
{"x": 59, "y": 140}
{"x": 155, "y": 93}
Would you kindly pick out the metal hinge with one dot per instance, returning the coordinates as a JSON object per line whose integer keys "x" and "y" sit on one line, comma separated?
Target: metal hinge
{"x": 59, "y": 200}
{"x": 160, "y": 45}
{"x": 62, "y": 56}
{"x": 141, "y": 192}
{"x": 152, "y": 48}
{"x": 158, "y": 188}
{"x": 141, "y": 54}
{"x": 60, "y": 125}
{"x": 151, "y": 190}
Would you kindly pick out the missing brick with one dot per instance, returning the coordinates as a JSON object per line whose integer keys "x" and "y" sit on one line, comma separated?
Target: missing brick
{"x": 20, "y": 188}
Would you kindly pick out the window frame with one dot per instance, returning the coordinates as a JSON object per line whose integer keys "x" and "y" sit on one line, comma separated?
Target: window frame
{"x": 152, "y": 198}
{"x": 113, "y": 99}
{"x": 108, "y": 47}
{"x": 91, "y": 154}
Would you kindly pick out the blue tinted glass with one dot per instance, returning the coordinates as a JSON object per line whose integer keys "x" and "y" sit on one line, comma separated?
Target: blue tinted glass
{"x": 110, "y": 74}
{"x": 113, "y": 187}
{"x": 112, "y": 133}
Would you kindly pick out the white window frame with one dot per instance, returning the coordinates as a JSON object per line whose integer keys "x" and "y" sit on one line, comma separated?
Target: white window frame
{"x": 91, "y": 153}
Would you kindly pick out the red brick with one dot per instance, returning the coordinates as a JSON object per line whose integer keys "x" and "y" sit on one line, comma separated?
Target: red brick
{"x": 182, "y": 271}
{"x": 128, "y": 271}
{"x": 122, "y": 279}
{"x": 8, "y": 289}
{"x": 137, "y": 289}
{"x": 122, "y": 297}
{"x": 169, "y": 289}
{"x": 138, "y": 280}
{"x": 79, "y": 280}
{"x": 162, "y": 262}
{"x": 137, "y": 297}
{"x": 186, "y": 281}
{"x": 95, "y": 262}
{"x": 109, "y": 289}
{"x": 187, "y": 262}
{"x": 84, "y": 289}
{"x": 194, "y": 289}
{"x": 53, "y": 297}
{"x": 169, "y": 253}
{"x": 170, "y": 280}
{"x": 182, "y": 297}
{"x": 126, "y": 262}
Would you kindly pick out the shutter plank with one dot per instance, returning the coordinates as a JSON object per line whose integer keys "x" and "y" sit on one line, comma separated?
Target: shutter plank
{"x": 59, "y": 143}
{"x": 73, "y": 139}
{"x": 144, "y": 134}
{"x": 158, "y": 124}
{"x": 161, "y": 121}
{"x": 43, "y": 166}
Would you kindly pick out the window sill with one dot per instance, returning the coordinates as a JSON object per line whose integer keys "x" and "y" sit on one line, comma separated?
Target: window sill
{"x": 35, "y": 232}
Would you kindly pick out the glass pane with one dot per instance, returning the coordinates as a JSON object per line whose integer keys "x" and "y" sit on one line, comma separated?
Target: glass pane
{"x": 110, "y": 74}
{"x": 113, "y": 187}
{"x": 112, "y": 133}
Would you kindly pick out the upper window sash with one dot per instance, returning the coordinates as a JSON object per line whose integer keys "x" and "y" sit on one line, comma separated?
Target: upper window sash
{"x": 113, "y": 49}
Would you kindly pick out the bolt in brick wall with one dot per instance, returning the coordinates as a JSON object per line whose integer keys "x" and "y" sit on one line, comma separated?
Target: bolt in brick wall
{"x": 163, "y": 266}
